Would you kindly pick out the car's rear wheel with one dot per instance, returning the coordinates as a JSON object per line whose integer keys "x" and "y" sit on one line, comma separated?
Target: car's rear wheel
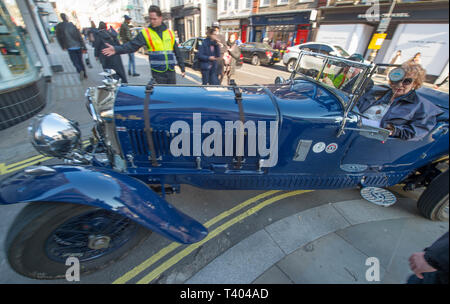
{"x": 433, "y": 203}
{"x": 291, "y": 65}
{"x": 44, "y": 235}
{"x": 255, "y": 60}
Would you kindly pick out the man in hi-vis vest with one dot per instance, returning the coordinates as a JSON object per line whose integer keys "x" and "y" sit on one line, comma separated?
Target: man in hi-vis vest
{"x": 163, "y": 52}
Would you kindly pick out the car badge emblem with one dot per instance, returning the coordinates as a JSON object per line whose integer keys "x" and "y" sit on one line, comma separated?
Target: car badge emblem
{"x": 378, "y": 196}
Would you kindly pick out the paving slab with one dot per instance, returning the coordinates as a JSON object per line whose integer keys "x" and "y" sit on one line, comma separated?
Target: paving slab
{"x": 328, "y": 260}
{"x": 273, "y": 276}
{"x": 361, "y": 211}
{"x": 242, "y": 263}
{"x": 299, "y": 229}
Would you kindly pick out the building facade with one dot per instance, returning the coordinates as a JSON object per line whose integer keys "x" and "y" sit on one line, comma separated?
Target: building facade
{"x": 415, "y": 26}
{"x": 191, "y": 18}
{"x": 234, "y": 17}
{"x": 283, "y": 23}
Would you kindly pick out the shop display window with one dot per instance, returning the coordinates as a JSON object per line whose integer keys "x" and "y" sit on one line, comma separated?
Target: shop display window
{"x": 16, "y": 67}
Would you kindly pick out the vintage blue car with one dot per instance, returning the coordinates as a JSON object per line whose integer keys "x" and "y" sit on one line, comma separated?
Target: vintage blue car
{"x": 300, "y": 133}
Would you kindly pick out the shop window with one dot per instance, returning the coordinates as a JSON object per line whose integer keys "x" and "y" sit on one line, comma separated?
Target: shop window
{"x": 248, "y": 3}
{"x": 16, "y": 67}
{"x": 264, "y": 3}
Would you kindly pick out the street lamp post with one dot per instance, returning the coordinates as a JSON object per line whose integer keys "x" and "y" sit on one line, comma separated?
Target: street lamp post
{"x": 380, "y": 35}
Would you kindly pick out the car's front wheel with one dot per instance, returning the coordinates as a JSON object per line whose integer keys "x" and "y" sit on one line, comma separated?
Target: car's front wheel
{"x": 433, "y": 203}
{"x": 291, "y": 65}
{"x": 255, "y": 60}
{"x": 44, "y": 235}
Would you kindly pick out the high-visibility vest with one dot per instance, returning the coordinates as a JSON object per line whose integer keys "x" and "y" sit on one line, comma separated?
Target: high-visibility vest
{"x": 160, "y": 51}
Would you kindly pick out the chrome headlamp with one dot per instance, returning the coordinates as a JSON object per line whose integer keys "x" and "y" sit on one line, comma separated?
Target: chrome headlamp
{"x": 53, "y": 135}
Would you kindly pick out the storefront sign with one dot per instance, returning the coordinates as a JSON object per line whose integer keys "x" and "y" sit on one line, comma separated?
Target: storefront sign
{"x": 377, "y": 41}
{"x": 285, "y": 19}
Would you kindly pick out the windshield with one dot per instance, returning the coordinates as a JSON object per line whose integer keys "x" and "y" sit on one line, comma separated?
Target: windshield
{"x": 337, "y": 74}
{"x": 341, "y": 51}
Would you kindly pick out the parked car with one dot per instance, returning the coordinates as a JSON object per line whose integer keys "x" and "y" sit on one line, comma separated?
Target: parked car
{"x": 291, "y": 54}
{"x": 300, "y": 133}
{"x": 259, "y": 53}
{"x": 189, "y": 48}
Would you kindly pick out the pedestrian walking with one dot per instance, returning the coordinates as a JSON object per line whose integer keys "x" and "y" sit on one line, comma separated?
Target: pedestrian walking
{"x": 163, "y": 51}
{"x": 125, "y": 36}
{"x": 69, "y": 38}
{"x": 223, "y": 48}
{"x": 231, "y": 56}
{"x": 102, "y": 38}
{"x": 209, "y": 56}
{"x": 91, "y": 33}
{"x": 431, "y": 265}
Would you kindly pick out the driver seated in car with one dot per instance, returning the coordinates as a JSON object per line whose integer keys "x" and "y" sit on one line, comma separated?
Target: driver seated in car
{"x": 400, "y": 110}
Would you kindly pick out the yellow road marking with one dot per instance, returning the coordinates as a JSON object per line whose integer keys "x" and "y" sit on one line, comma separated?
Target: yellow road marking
{"x": 5, "y": 169}
{"x": 168, "y": 249}
{"x": 179, "y": 256}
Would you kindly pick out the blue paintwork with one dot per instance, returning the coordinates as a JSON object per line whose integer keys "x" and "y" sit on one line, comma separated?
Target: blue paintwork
{"x": 106, "y": 189}
{"x": 304, "y": 112}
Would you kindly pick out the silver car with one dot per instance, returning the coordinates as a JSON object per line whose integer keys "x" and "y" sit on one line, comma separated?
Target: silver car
{"x": 291, "y": 54}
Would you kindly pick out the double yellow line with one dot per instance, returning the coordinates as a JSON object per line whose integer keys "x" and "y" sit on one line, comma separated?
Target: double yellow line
{"x": 212, "y": 234}
{"x": 5, "y": 169}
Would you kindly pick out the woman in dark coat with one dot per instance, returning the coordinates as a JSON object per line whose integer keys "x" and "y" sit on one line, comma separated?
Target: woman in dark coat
{"x": 231, "y": 56}
{"x": 108, "y": 62}
{"x": 208, "y": 55}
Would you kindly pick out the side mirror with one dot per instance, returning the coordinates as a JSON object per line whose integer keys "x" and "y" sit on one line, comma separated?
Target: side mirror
{"x": 279, "y": 80}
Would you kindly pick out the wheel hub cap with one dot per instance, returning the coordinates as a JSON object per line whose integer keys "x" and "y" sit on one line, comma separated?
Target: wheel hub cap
{"x": 97, "y": 242}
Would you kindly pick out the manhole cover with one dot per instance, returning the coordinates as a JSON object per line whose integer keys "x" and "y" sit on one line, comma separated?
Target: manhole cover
{"x": 378, "y": 196}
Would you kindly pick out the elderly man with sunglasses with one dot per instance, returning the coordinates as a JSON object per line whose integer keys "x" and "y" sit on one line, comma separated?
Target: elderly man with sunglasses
{"x": 400, "y": 109}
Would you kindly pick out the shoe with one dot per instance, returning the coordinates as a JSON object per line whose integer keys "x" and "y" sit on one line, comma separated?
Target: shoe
{"x": 129, "y": 73}
{"x": 136, "y": 74}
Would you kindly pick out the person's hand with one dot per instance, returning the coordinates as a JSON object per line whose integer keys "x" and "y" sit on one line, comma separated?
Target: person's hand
{"x": 419, "y": 265}
{"x": 109, "y": 50}
{"x": 391, "y": 128}
{"x": 212, "y": 58}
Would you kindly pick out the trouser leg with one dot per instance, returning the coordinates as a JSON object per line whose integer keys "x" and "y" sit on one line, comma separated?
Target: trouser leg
{"x": 168, "y": 77}
{"x": 76, "y": 56}
{"x": 205, "y": 77}
{"x": 131, "y": 63}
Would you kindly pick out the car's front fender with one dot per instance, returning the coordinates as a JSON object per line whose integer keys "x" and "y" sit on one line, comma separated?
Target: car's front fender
{"x": 106, "y": 189}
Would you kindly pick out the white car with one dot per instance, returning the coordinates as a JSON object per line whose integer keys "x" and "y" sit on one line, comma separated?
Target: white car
{"x": 291, "y": 54}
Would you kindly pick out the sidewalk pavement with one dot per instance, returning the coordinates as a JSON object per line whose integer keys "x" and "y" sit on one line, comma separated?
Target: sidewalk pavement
{"x": 328, "y": 244}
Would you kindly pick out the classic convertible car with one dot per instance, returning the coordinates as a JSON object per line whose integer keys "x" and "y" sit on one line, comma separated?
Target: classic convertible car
{"x": 300, "y": 133}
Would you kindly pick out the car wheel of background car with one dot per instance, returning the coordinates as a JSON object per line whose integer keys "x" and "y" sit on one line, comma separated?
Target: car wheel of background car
{"x": 44, "y": 235}
{"x": 291, "y": 65}
{"x": 433, "y": 203}
{"x": 255, "y": 60}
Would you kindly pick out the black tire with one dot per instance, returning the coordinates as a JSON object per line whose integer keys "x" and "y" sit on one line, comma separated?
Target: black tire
{"x": 291, "y": 65}
{"x": 255, "y": 60}
{"x": 27, "y": 238}
{"x": 433, "y": 203}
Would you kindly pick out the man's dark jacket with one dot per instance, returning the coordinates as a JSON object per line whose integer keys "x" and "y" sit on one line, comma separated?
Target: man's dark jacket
{"x": 437, "y": 256}
{"x": 412, "y": 117}
{"x": 69, "y": 36}
{"x": 109, "y": 62}
{"x": 205, "y": 52}
{"x": 125, "y": 33}
{"x": 139, "y": 41}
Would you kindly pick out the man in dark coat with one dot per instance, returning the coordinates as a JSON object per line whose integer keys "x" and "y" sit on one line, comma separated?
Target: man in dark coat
{"x": 209, "y": 55}
{"x": 102, "y": 38}
{"x": 431, "y": 265}
{"x": 69, "y": 38}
